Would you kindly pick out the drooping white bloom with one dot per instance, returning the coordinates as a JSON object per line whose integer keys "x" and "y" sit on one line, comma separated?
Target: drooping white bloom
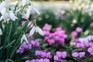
{"x": 3, "y": 4}
{"x": 4, "y": 14}
{"x": 12, "y": 16}
{"x": 32, "y": 31}
{"x": 24, "y": 38}
{"x": 36, "y": 29}
{"x": 1, "y": 32}
{"x": 28, "y": 12}
{"x": 24, "y": 2}
{"x": 39, "y": 30}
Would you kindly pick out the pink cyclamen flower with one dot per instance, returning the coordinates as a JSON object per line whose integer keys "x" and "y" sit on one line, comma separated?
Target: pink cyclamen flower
{"x": 80, "y": 45}
{"x": 79, "y": 29}
{"x": 64, "y": 54}
{"x": 81, "y": 54}
{"x": 51, "y": 42}
{"x": 74, "y": 33}
{"x": 90, "y": 50}
{"x": 75, "y": 54}
{"x": 56, "y": 57}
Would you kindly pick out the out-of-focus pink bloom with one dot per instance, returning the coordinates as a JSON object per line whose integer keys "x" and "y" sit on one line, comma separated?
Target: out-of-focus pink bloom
{"x": 60, "y": 55}
{"x": 46, "y": 27}
{"x": 79, "y": 29}
{"x": 81, "y": 54}
{"x": 56, "y": 57}
{"x": 90, "y": 50}
{"x": 28, "y": 36}
{"x": 29, "y": 24}
{"x": 91, "y": 24}
{"x": 80, "y": 45}
{"x": 58, "y": 14}
{"x": 23, "y": 23}
{"x": 43, "y": 54}
{"x": 64, "y": 54}
{"x": 74, "y": 33}
{"x": 50, "y": 41}
{"x": 75, "y": 54}
{"x": 27, "y": 46}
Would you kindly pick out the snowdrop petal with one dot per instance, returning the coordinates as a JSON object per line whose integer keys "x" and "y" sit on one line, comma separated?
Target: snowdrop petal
{"x": 39, "y": 30}
{"x": 23, "y": 2}
{"x": 3, "y": 11}
{"x": 3, "y": 4}
{"x": 24, "y": 38}
{"x": 34, "y": 8}
{"x": 12, "y": 16}
{"x": 13, "y": 3}
{"x": 28, "y": 12}
{"x": 1, "y": 18}
{"x": 32, "y": 31}
{"x": 1, "y": 32}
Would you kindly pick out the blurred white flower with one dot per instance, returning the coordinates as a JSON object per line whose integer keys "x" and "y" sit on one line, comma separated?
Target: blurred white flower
{"x": 83, "y": 40}
{"x": 28, "y": 12}
{"x": 1, "y": 32}
{"x": 4, "y": 15}
{"x": 39, "y": 30}
{"x": 3, "y": 4}
{"x": 24, "y": 38}
{"x": 74, "y": 21}
{"x": 36, "y": 29}
{"x": 12, "y": 16}
{"x": 34, "y": 8}
{"x": 86, "y": 39}
{"x": 24, "y": 2}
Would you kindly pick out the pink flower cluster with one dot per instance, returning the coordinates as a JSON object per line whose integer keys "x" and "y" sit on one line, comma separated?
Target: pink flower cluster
{"x": 84, "y": 44}
{"x": 87, "y": 45}
{"x": 38, "y": 60}
{"x": 78, "y": 30}
{"x": 43, "y": 54}
{"x": 27, "y": 46}
{"x": 90, "y": 50}
{"x": 78, "y": 54}
{"x": 59, "y": 35}
{"x": 60, "y": 55}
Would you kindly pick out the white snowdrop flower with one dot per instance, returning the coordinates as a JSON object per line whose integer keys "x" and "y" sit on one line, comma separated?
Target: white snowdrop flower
{"x": 1, "y": 18}
{"x": 32, "y": 31}
{"x": 39, "y": 30}
{"x": 24, "y": 38}
{"x": 1, "y": 32}
{"x": 24, "y": 2}
{"x": 28, "y": 12}
{"x": 3, "y": 4}
{"x": 4, "y": 14}
{"x": 12, "y": 16}
{"x": 3, "y": 11}
{"x": 36, "y": 29}
{"x": 3, "y": 25}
